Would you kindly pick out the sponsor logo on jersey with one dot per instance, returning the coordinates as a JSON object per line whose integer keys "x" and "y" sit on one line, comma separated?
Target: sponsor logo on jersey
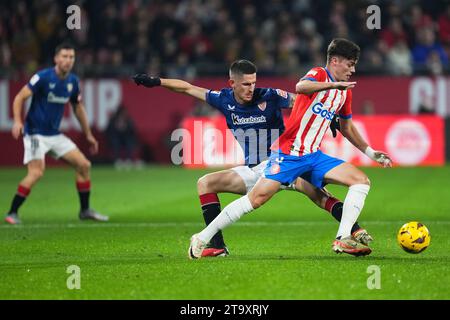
{"x": 282, "y": 93}
{"x": 55, "y": 99}
{"x": 321, "y": 111}
{"x": 69, "y": 87}
{"x": 249, "y": 120}
{"x": 34, "y": 79}
{"x": 262, "y": 106}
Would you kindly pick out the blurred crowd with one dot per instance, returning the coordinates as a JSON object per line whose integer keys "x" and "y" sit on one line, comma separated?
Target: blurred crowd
{"x": 198, "y": 37}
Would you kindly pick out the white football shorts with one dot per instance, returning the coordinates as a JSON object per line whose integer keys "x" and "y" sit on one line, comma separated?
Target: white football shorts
{"x": 251, "y": 175}
{"x": 36, "y": 146}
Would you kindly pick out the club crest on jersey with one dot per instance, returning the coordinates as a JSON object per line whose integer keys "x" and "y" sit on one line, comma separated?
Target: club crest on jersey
{"x": 275, "y": 168}
{"x": 262, "y": 106}
{"x": 282, "y": 93}
{"x": 321, "y": 111}
{"x": 69, "y": 87}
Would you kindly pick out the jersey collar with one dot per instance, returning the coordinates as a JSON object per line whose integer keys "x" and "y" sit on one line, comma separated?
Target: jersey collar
{"x": 329, "y": 74}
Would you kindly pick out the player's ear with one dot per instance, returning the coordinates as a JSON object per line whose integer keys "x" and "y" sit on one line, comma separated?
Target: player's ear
{"x": 231, "y": 83}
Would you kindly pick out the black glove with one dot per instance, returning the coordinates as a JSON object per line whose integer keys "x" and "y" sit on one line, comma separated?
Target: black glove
{"x": 334, "y": 125}
{"x": 146, "y": 81}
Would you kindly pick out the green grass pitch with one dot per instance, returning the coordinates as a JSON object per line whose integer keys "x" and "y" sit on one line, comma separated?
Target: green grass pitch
{"x": 280, "y": 251}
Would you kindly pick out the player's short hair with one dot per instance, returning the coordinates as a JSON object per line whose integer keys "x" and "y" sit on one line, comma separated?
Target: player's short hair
{"x": 64, "y": 45}
{"x": 343, "y": 48}
{"x": 241, "y": 67}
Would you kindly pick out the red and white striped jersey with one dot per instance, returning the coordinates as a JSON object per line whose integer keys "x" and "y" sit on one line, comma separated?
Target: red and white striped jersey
{"x": 311, "y": 116}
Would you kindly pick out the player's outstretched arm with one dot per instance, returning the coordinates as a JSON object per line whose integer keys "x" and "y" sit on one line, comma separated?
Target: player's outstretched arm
{"x": 19, "y": 100}
{"x": 309, "y": 87}
{"x": 292, "y": 96}
{"x": 81, "y": 115}
{"x": 176, "y": 85}
{"x": 352, "y": 134}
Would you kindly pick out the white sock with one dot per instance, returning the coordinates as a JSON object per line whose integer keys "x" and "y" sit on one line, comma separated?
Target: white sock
{"x": 230, "y": 214}
{"x": 353, "y": 204}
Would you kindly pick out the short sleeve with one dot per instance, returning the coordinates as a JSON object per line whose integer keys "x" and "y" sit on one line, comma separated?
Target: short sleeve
{"x": 75, "y": 97}
{"x": 315, "y": 74}
{"x": 346, "y": 110}
{"x": 214, "y": 98}
{"x": 36, "y": 82}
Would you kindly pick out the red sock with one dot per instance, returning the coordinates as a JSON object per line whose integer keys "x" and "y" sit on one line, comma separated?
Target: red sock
{"x": 19, "y": 198}
{"x": 84, "y": 186}
{"x": 331, "y": 201}
{"x": 84, "y": 189}
{"x": 208, "y": 198}
{"x": 211, "y": 208}
{"x": 23, "y": 191}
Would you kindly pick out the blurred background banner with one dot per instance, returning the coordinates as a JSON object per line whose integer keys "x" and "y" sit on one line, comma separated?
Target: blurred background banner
{"x": 409, "y": 140}
{"x": 158, "y": 112}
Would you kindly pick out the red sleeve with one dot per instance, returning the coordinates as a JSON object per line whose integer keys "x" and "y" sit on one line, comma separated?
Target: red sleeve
{"x": 315, "y": 74}
{"x": 346, "y": 110}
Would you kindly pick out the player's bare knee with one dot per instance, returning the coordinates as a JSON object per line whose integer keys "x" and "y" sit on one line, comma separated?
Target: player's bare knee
{"x": 84, "y": 167}
{"x": 204, "y": 185}
{"x": 361, "y": 179}
{"x": 258, "y": 200}
{"x": 36, "y": 174}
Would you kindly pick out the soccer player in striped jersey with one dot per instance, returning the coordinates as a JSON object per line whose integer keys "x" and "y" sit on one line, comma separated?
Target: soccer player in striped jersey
{"x": 255, "y": 119}
{"x": 321, "y": 93}
{"x": 51, "y": 89}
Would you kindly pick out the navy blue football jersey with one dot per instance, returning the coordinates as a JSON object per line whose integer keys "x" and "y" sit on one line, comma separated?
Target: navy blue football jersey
{"x": 255, "y": 125}
{"x": 50, "y": 94}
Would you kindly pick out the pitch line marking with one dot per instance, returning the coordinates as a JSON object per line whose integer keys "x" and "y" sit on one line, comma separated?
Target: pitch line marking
{"x": 192, "y": 224}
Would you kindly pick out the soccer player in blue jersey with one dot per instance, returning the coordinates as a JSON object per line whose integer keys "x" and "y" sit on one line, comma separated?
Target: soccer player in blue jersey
{"x": 254, "y": 115}
{"x": 51, "y": 89}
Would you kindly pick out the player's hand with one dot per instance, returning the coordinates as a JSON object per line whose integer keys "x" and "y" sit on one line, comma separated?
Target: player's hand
{"x": 335, "y": 125}
{"x": 94, "y": 144}
{"x": 383, "y": 159}
{"x": 146, "y": 80}
{"x": 380, "y": 157}
{"x": 17, "y": 130}
{"x": 344, "y": 85}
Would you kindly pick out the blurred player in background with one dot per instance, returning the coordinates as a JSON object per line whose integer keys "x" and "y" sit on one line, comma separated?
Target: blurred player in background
{"x": 51, "y": 89}
{"x": 321, "y": 94}
{"x": 247, "y": 110}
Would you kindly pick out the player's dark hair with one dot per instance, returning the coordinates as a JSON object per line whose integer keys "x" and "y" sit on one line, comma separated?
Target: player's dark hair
{"x": 343, "y": 48}
{"x": 64, "y": 45}
{"x": 240, "y": 67}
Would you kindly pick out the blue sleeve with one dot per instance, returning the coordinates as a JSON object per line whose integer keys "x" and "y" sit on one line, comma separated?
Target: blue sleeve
{"x": 75, "y": 97}
{"x": 443, "y": 56}
{"x": 36, "y": 82}
{"x": 281, "y": 97}
{"x": 214, "y": 98}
